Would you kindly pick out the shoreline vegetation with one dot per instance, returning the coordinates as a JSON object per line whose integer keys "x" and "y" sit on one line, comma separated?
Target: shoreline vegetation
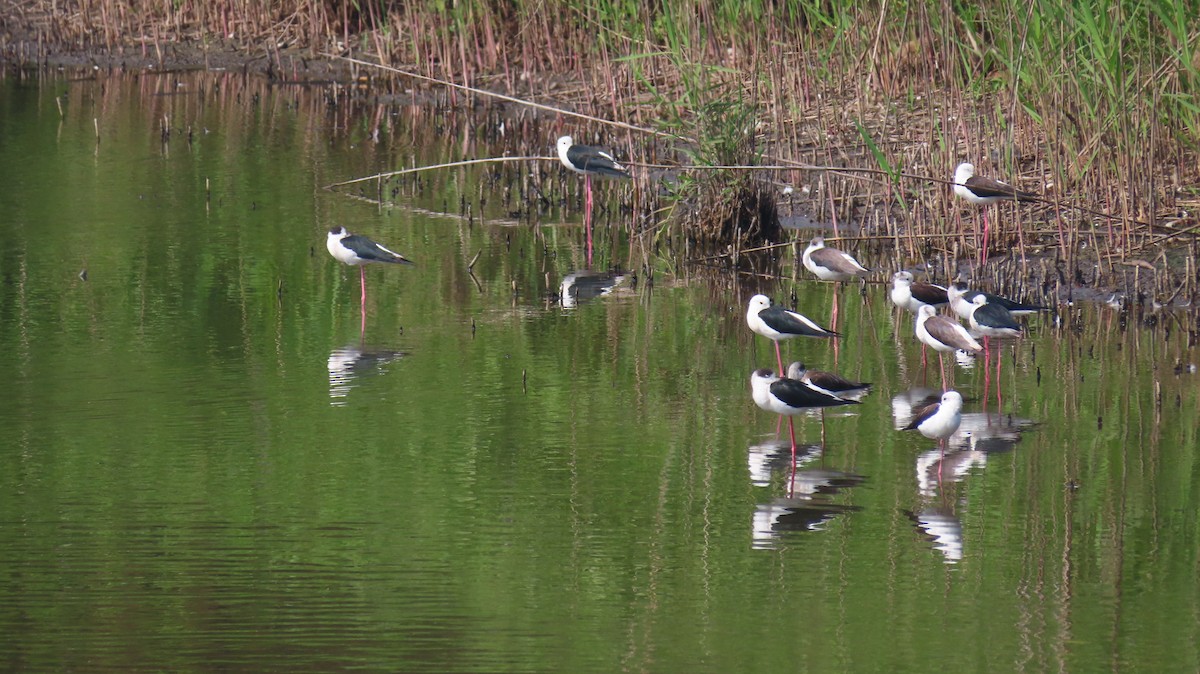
{"x": 1092, "y": 106}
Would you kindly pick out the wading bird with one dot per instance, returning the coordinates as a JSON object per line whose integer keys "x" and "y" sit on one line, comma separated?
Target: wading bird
{"x": 911, "y": 295}
{"x": 776, "y": 323}
{"x": 962, "y": 302}
{"x": 985, "y": 192}
{"x": 790, "y": 397}
{"x": 590, "y": 161}
{"x": 829, "y": 381}
{"x": 939, "y": 420}
{"x": 358, "y": 251}
{"x": 943, "y": 335}
{"x": 831, "y": 264}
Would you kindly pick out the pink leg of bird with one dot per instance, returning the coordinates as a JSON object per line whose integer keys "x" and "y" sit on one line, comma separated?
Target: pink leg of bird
{"x": 987, "y": 371}
{"x": 587, "y": 215}
{"x": 942, "y": 366}
{"x": 834, "y": 320}
{"x": 999, "y": 398}
{"x": 983, "y": 251}
{"x": 792, "y": 434}
{"x": 362, "y": 283}
{"x": 587, "y": 226}
{"x": 781, "y": 372}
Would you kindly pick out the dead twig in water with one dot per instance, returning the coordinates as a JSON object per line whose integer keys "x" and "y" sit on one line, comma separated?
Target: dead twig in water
{"x": 1172, "y": 235}
{"x": 503, "y": 97}
{"x": 465, "y": 162}
{"x": 831, "y": 239}
{"x": 789, "y": 164}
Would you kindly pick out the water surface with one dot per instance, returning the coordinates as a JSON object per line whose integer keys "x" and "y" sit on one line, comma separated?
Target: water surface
{"x": 209, "y": 460}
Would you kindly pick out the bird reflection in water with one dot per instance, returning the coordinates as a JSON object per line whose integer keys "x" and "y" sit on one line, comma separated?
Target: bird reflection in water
{"x": 782, "y": 516}
{"x": 809, "y": 503}
{"x": 906, "y": 403}
{"x": 990, "y": 433}
{"x": 351, "y": 363}
{"x": 979, "y": 437}
{"x": 771, "y": 456}
{"x": 935, "y": 468}
{"x": 942, "y": 528}
{"x": 583, "y": 286}
{"x": 821, "y": 482}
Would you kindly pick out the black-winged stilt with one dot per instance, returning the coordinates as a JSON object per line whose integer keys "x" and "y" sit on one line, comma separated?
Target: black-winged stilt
{"x": 943, "y": 335}
{"x": 776, "y": 323}
{"x": 911, "y": 295}
{"x": 985, "y": 192}
{"x": 590, "y": 161}
{"x": 992, "y": 320}
{"x": 358, "y": 251}
{"x": 831, "y": 264}
{"x": 789, "y": 397}
{"x": 962, "y": 302}
{"x": 939, "y": 420}
{"x": 828, "y": 381}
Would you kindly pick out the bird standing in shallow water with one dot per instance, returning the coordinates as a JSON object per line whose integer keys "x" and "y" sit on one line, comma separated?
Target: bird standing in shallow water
{"x": 829, "y": 381}
{"x": 358, "y": 251}
{"x": 589, "y": 161}
{"x": 943, "y": 334}
{"x": 962, "y": 302}
{"x": 790, "y": 397}
{"x": 940, "y": 420}
{"x": 911, "y": 295}
{"x": 831, "y": 264}
{"x": 991, "y": 320}
{"x": 985, "y": 192}
{"x": 776, "y": 323}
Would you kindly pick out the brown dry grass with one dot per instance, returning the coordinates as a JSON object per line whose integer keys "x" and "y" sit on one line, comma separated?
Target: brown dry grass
{"x": 916, "y": 92}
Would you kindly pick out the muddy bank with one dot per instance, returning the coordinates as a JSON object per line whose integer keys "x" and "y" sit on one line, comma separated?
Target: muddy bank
{"x": 287, "y": 65}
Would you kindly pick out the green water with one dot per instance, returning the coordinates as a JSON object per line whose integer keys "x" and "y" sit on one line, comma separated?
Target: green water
{"x": 207, "y": 463}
